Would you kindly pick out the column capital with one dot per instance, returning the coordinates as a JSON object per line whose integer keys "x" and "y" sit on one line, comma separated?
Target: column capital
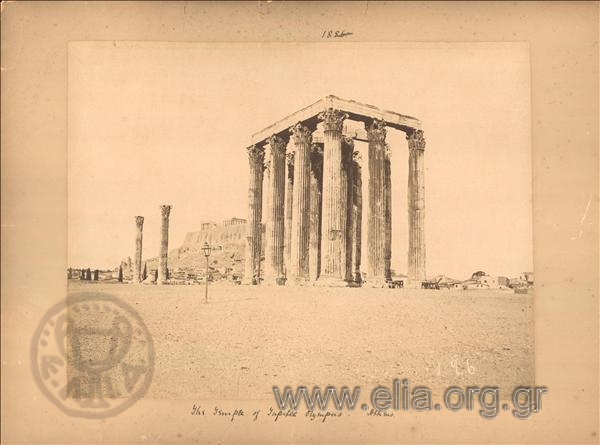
{"x": 165, "y": 210}
{"x": 277, "y": 144}
{"x": 333, "y": 120}
{"x": 376, "y": 131}
{"x": 301, "y": 134}
{"x": 139, "y": 221}
{"x": 416, "y": 140}
{"x": 256, "y": 153}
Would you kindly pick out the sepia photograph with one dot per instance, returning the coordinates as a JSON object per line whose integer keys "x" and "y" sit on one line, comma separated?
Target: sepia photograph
{"x": 343, "y": 233}
{"x": 279, "y": 218}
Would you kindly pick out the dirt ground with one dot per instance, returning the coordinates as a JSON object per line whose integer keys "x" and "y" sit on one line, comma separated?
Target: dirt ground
{"x": 248, "y": 339}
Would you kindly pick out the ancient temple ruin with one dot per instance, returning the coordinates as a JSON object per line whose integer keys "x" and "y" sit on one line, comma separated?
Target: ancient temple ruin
{"x": 314, "y": 199}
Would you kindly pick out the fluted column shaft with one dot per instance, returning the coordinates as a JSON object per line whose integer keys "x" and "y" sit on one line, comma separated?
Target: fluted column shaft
{"x": 357, "y": 222}
{"x": 289, "y": 210}
{"x": 165, "y": 211}
{"x": 299, "y": 249}
{"x": 387, "y": 190}
{"x": 347, "y": 204}
{"x": 416, "y": 206}
{"x": 273, "y": 271}
{"x": 316, "y": 188}
{"x": 139, "y": 236}
{"x": 254, "y": 230}
{"x": 377, "y": 203}
{"x": 332, "y": 231}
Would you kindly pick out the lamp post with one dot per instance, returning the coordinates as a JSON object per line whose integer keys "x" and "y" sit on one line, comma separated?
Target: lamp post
{"x": 206, "y": 249}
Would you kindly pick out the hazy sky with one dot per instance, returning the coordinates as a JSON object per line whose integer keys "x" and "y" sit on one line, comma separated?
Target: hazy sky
{"x": 154, "y": 123}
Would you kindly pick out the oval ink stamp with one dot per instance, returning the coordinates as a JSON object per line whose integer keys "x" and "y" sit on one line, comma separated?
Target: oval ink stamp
{"x": 92, "y": 355}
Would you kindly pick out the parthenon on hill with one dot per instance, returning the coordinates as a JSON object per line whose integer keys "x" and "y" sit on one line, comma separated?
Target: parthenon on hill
{"x": 314, "y": 198}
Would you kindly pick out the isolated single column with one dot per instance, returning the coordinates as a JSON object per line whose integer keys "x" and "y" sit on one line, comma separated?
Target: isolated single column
{"x": 165, "y": 211}
{"x": 139, "y": 236}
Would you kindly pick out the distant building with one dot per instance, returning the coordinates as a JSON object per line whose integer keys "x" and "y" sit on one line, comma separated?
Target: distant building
{"x": 482, "y": 280}
{"x": 528, "y": 277}
{"x": 503, "y": 281}
{"x": 473, "y": 284}
{"x": 524, "y": 280}
{"x": 444, "y": 282}
{"x": 489, "y": 281}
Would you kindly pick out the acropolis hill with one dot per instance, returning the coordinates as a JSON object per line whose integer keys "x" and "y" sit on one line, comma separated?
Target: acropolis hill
{"x": 227, "y": 240}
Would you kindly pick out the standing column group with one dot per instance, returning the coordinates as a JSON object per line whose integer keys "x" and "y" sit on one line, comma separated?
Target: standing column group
{"x": 314, "y": 207}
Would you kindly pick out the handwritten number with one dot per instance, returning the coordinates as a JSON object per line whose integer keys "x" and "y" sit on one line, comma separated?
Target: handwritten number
{"x": 328, "y": 34}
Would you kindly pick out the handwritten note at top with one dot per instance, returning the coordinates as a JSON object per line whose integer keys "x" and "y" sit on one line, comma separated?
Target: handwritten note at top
{"x": 331, "y": 34}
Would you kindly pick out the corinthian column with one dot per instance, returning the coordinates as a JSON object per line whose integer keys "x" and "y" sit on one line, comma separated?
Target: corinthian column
{"x": 376, "y": 133}
{"x": 273, "y": 272}
{"x": 316, "y": 188}
{"x": 299, "y": 249}
{"x": 357, "y": 219}
{"x": 388, "y": 213}
{"x": 165, "y": 211}
{"x": 332, "y": 231}
{"x": 256, "y": 157}
{"x": 416, "y": 206}
{"x": 137, "y": 264}
{"x": 347, "y": 203}
{"x": 289, "y": 200}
